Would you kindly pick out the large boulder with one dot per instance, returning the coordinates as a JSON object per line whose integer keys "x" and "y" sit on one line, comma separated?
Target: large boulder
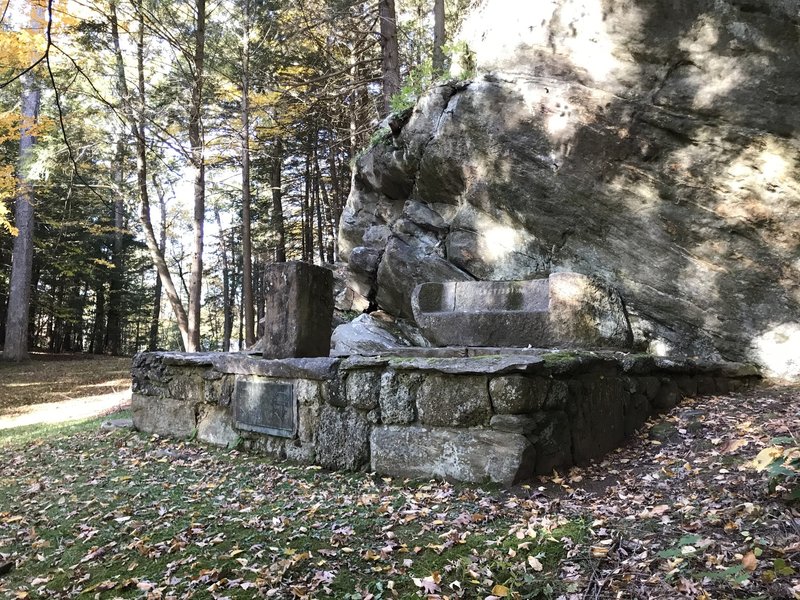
{"x": 650, "y": 145}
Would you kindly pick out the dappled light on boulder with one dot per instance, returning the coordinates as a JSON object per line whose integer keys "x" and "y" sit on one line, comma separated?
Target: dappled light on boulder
{"x": 650, "y": 145}
{"x": 779, "y": 349}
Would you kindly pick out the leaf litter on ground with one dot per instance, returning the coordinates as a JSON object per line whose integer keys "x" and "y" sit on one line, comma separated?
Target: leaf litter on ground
{"x": 113, "y": 513}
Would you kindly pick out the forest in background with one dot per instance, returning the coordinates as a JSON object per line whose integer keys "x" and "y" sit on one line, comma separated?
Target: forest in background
{"x": 156, "y": 156}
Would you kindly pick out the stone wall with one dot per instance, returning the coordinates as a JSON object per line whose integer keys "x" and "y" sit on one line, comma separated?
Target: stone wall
{"x": 446, "y": 413}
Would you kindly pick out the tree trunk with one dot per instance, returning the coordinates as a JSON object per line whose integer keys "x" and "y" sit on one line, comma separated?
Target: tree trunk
{"x": 116, "y": 279}
{"x": 156, "y": 254}
{"x": 326, "y": 208}
{"x": 438, "y": 37}
{"x": 227, "y": 301}
{"x": 354, "y": 100}
{"x": 308, "y": 208}
{"x": 247, "y": 257}
{"x": 19, "y": 294}
{"x": 156, "y": 318}
{"x": 3, "y": 295}
{"x": 337, "y": 200}
{"x": 278, "y": 226}
{"x": 199, "y": 168}
{"x": 99, "y": 318}
{"x": 389, "y": 53}
{"x": 136, "y": 119}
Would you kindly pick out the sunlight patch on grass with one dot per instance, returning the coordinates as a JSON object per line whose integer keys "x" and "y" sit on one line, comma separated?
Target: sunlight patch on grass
{"x": 24, "y": 435}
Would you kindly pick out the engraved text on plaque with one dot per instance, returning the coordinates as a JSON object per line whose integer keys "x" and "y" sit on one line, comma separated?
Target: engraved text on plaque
{"x": 265, "y": 407}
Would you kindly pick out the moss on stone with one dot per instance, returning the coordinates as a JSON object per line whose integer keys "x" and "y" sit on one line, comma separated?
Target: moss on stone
{"x": 560, "y": 357}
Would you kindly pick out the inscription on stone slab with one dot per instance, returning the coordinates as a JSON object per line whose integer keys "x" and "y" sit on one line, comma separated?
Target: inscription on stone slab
{"x": 265, "y": 407}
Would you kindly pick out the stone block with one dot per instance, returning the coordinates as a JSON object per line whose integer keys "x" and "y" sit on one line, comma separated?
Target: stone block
{"x": 599, "y": 424}
{"x": 668, "y": 395}
{"x": 215, "y": 427}
{"x": 300, "y": 453}
{"x": 342, "y": 438}
{"x": 299, "y": 309}
{"x": 687, "y": 385}
{"x": 706, "y": 386}
{"x": 649, "y": 386}
{"x": 407, "y": 261}
{"x": 566, "y": 310}
{"x": 557, "y": 395}
{"x": 308, "y": 391}
{"x": 163, "y": 416}
{"x": 362, "y": 388}
{"x": 522, "y": 424}
{"x": 637, "y": 411}
{"x": 482, "y": 313}
{"x": 478, "y": 365}
{"x": 398, "y": 396}
{"x": 474, "y": 455}
{"x": 375, "y": 333}
{"x": 515, "y": 394}
{"x": 260, "y": 444}
{"x": 186, "y": 384}
{"x": 454, "y": 401}
{"x": 219, "y": 390}
{"x": 320, "y": 368}
{"x": 722, "y": 385}
{"x": 584, "y": 312}
{"x": 553, "y": 443}
{"x": 307, "y": 422}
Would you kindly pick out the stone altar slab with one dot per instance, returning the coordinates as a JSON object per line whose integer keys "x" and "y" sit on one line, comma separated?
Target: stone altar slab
{"x": 566, "y": 310}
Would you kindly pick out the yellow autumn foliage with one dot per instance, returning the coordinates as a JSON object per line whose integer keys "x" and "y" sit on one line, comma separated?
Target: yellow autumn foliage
{"x": 766, "y": 457}
{"x": 7, "y": 185}
{"x": 16, "y": 47}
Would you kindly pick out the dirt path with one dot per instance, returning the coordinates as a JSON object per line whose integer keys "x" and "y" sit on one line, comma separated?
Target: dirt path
{"x": 57, "y": 388}
{"x": 67, "y": 410}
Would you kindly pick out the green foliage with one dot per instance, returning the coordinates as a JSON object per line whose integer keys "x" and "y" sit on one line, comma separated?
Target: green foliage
{"x": 781, "y": 461}
{"x": 381, "y": 136}
{"x": 462, "y": 57}
{"x": 422, "y": 76}
{"x": 419, "y": 79}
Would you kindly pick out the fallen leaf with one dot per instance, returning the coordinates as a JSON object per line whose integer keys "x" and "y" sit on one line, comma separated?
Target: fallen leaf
{"x": 535, "y": 563}
{"x": 500, "y": 591}
{"x": 733, "y": 445}
{"x": 766, "y": 456}
{"x": 749, "y": 561}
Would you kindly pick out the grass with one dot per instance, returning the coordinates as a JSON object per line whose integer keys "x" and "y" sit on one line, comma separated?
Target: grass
{"x": 33, "y": 433}
{"x": 113, "y": 513}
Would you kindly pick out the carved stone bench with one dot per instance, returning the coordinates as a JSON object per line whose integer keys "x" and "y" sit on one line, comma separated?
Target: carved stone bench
{"x": 566, "y": 310}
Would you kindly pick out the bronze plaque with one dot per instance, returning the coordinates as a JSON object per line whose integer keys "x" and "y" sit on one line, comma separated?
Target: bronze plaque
{"x": 265, "y": 407}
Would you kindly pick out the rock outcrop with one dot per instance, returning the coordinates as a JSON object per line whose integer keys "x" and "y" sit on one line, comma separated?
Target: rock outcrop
{"x": 652, "y": 145}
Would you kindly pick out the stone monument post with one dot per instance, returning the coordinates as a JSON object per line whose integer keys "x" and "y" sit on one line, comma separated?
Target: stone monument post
{"x": 299, "y": 310}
